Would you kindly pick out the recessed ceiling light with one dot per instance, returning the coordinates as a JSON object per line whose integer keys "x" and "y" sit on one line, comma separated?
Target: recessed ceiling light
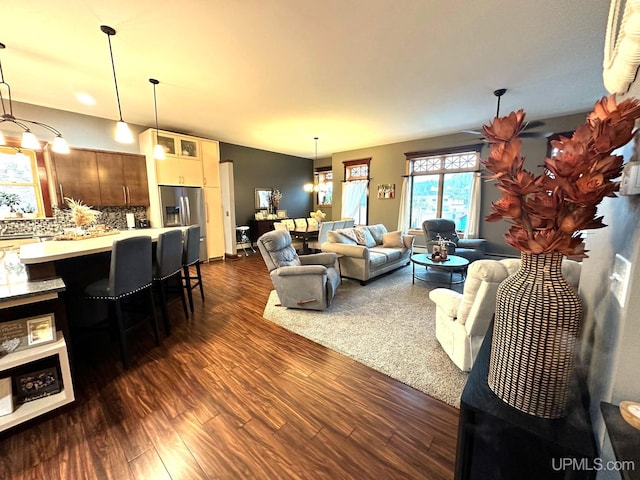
{"x": 86, "y": 99}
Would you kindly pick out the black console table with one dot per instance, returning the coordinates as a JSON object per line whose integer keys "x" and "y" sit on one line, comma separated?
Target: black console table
{"x": 258, "y": 227}
{"x": 625, "y": 441}
{"x": 497, "y": 441}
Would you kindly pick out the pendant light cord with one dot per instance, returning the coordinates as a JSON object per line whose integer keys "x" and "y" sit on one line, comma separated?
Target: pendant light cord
{"x": 115, "y": 80}
{"x": 155, "y": 105}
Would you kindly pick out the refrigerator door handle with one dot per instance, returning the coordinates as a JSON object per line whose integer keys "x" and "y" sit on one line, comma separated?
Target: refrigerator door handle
{"x": 187, "y": 211}
{"x": 182, "y": 210}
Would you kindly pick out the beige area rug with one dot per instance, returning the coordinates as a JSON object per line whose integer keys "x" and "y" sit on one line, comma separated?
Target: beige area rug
{"x": 388, "y": 325}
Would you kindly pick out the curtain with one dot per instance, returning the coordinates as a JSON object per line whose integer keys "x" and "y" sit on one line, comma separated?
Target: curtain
{"x": 473, "y": 222}
{"x": 352, "y": 194}
{"x": 405, "y": 207}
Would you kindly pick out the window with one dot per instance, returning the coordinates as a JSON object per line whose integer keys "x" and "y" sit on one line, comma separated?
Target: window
{"x": 19, "y": 183}
{"x": 324, "y": 187}
{"x": 441, "y": 184}
{"x": 355, "y": 195}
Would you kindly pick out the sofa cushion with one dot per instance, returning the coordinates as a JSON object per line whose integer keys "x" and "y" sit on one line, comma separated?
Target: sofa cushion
{"x": 391, "y": 254}
{"x": 377, "y": 231}
{"x": 337, "y": 236}
{"x": 392, "y": 239}
{"x": 377, "y": 258}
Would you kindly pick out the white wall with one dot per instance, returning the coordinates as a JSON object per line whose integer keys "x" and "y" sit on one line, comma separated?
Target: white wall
{"x": 611, "y": 333}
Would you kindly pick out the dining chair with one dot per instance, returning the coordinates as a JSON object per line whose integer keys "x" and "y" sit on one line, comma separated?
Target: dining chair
{"x": 168, "y": 266}
{"x": 130, "y": 274}
{"x": 291, "y": 225}
{"x": 312, "y": 222}
{"x": 338, "y": 224}
{"x": 301, "y": 223}
{"x": 191, "y": 258}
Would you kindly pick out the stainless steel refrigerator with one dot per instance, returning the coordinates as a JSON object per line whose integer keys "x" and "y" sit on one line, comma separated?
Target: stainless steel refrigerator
{"x": 184, "y": 206}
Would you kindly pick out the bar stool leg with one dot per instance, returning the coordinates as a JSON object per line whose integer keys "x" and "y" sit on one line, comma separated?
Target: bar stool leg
{"x": 163, "y": 306}
{"x": 200, "y": 280}
{"x": 121, "y": 333}
{"x": 187, "y": 281}
{"x": 154, "y": 319}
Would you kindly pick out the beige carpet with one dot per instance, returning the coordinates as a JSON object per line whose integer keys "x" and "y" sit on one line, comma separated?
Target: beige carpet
{"x": 388, "y": 325}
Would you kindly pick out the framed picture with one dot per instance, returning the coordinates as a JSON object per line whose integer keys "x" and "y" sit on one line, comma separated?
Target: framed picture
{"x": 40, "y": 330}
{"x": 25, "y": 333}
{"x": 35, "y": 385}
{"x": 263, "y": 198}
{"x": 387, "y": 190}
{"x": 281, "y": 213}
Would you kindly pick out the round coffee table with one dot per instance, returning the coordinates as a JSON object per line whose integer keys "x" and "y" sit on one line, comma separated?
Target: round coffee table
{"x": 453, "y": 264}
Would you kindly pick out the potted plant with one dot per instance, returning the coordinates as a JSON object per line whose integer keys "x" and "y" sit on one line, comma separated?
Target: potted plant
{"x": 538, "y": 314}
{"x": 10, "y": 200}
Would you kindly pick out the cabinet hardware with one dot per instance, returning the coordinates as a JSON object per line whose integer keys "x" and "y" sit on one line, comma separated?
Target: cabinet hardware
{"x": 124, "y": 192}
{"x": 61, "y": 194}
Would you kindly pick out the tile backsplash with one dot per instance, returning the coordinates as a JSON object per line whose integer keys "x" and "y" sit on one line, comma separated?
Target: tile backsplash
{"x": 114, "y": 217}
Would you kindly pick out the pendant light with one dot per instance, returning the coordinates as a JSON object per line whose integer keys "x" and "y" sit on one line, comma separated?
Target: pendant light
{"x": 29, "y": 140}
{"x": 158, "y": 150}
{"x": 123, "y": 134}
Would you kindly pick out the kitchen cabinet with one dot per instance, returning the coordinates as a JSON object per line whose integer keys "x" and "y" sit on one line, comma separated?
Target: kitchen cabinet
{"x": 98, "y": 178}
{"x": 190, "y": 161}
{"x": 214, "y": 221}
{"x": 74, "y": 175}
{"x": 183, "y": 161}
{"x": 210, "y": 163}
{"x": 123, "y": 179}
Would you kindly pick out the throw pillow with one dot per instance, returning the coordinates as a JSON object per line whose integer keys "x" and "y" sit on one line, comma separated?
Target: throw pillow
{"x": 364, "y": 237}
{"x": 335, "y": 237}
{"x": 377, "y": 231}
{"x": 392, "y": 239}
{"x": 350, "y": 233}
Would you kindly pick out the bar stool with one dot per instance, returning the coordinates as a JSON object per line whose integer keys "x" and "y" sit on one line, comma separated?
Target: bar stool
{"x": 168, "y": 265}
{"x": 130, "y": 272}
{"x": 191, "y": 257}
{"x": 242, "y": 239}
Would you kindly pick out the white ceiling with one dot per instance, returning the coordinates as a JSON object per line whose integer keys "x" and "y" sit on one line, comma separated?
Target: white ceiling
{"x": 273, "y": 74}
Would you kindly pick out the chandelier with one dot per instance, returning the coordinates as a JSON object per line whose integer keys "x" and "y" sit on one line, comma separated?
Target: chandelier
{"x": 29, "y": 140}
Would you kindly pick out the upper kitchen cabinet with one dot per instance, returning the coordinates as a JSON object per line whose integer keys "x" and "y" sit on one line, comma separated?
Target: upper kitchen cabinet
{"x": 123, "y": 179}
{"x": 74, "y": 175}
{"x": 210, "y": 163}
{"x": 98, "y": 178}
{"x": 183, "y": 162}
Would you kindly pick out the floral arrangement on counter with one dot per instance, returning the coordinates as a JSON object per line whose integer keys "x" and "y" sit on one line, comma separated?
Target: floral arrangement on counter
{"x": 549, "y": 211}
{"x": 318, "y": 215}
{"x": 80, "y": 213}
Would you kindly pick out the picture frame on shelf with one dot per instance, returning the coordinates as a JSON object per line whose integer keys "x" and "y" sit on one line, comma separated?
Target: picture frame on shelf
{"x": 16, "y": 335}
{"x": 263, "y": 198}
{"x": 34, "y": 385}
{"x": 281, "y": 213}
{"x": 41, "y": 330}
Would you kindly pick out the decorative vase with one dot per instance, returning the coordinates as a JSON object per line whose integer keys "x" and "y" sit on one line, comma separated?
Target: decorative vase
{"x": 537, "y": 319}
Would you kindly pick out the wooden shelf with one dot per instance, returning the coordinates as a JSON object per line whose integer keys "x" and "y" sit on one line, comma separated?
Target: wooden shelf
{"x": 32, "y": 409}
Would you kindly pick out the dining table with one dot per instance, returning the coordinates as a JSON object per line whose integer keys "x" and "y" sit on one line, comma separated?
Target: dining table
{"x": 305, "y": 234}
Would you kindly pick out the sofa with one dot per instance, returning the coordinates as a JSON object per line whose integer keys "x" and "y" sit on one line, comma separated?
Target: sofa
{"x": 462, "y": 319}
{"x": 366, "y": 252}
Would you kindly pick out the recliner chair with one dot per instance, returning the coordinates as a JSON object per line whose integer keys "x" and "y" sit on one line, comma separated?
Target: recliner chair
{"x": 472, "y": 249}
{"x": 462, "y": 319}
{"x": 307, "y": 282}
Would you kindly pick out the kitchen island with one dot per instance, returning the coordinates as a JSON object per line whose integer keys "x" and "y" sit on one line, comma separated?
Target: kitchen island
{"x": 43, "y": 259}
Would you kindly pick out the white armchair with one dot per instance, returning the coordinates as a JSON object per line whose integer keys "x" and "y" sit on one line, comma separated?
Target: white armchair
{"x": 462, "y": 319}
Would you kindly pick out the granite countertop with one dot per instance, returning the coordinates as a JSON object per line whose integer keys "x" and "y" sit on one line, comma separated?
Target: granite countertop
{"x": 22, "y": 290}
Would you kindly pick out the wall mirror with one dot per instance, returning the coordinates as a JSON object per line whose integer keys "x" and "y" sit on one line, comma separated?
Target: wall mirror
{"x": 263, "y": 198}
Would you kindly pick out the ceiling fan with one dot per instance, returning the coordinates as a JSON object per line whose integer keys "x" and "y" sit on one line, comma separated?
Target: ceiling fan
{"x": 523, "y": 134}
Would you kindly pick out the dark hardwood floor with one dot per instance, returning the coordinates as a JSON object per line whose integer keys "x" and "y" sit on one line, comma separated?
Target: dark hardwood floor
{"x": 231, "y": 395}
